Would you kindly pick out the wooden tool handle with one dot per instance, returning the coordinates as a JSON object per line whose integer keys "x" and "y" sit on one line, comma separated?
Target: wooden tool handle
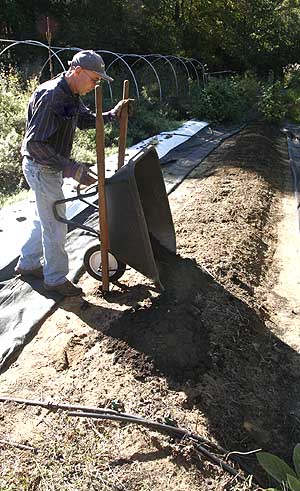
{"x": 104, "y": 238}
{"x": 123, "y": 126}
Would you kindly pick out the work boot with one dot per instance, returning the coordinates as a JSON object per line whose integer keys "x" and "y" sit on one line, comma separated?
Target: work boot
{"x": 37, "y": 272}
{"x": 67, "y": 289}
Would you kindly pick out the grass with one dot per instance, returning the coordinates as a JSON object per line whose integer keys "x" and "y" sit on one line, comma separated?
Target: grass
{"x": 81, "y": 455}
{"x": 9, "y": 199}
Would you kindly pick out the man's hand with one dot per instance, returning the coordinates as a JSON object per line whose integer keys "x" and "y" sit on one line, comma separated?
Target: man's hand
{"x": 117, "y": 110}
{"x": 80, "y": 172}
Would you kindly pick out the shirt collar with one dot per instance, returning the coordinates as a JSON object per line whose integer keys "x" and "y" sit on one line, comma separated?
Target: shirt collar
{"x": 66, "y": 87}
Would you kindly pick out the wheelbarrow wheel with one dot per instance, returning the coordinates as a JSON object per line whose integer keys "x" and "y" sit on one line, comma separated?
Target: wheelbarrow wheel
{"x": 92, "y": 263}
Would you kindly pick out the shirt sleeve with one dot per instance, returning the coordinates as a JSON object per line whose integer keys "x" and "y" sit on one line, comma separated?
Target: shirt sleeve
{"x": 43, "y": 124}
{"x": 87, "y": 119}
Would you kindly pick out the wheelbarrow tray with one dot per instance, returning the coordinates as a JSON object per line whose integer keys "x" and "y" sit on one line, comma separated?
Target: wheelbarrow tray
{"x": 138, "y": 210}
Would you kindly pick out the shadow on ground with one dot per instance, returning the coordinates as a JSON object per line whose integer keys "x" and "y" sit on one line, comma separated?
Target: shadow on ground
{"x": 214, "y": 347}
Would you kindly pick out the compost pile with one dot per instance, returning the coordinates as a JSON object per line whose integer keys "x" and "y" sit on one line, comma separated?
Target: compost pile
{"x": 206, "y": 353}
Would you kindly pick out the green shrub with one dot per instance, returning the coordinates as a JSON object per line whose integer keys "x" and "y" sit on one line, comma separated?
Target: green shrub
{"x": 13, "y": 104}
{"x": 291, "y": 76}
{"x": 291, "y": 82}
{"x": 84, "y": 146}
{"x": 226, "y": 100}
{"x": 247, "y": 89}
{"x": 281, "y": 99}
{"x": 288, "y": 478}
{"x": 10, "y": 162}
{"x": 273, "y": 103}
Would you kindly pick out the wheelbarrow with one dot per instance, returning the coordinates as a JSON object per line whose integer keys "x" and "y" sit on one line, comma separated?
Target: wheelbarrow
{"x": 138, "y": 214}
{"x": 133, "y": 210}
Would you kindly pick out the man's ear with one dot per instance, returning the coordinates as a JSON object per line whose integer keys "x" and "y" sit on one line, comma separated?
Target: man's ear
{"x": 78, "y": 69}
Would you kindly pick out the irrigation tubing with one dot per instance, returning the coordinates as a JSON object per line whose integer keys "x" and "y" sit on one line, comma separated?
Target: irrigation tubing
{"x": 177, "y": 433}
{"x": 52, "y": 406}
{"x": 173, "y": 430}
{"x": 75, "y": 410}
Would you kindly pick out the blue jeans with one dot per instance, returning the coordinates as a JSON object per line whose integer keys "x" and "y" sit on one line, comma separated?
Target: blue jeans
{"x": 47, "y": 236}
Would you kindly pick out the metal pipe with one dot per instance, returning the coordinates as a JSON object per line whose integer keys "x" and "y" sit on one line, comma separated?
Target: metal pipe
{"x": 52, "y": 406}
{"x": 179, "y": 432}
{"x": 32, "y": 43}
{"x": 141, "y": 57}
{"x": 119, "y": 57}
{"x": 18, "y": 445}
{"x": 158, "y": 57}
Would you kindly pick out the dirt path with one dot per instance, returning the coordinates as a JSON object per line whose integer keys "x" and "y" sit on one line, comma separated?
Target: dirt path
{"x": 284, "y": 298}
{"x": 217, "y": 352}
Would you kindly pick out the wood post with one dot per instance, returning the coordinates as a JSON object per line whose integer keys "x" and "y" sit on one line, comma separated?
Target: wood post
{"x": 123, "y": 126}
{"x": 104, "y": 237}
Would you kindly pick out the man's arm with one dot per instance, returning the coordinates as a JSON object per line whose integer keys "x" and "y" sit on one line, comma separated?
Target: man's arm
{"x": 87, "y": 119}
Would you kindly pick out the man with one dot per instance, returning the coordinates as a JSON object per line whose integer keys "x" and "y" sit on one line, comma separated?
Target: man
{"x": 54, "y": 112}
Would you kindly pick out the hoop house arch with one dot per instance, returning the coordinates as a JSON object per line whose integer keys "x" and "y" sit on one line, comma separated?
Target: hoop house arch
{"x": 160, "y": 57}
{"x": 178, "y": 58}
{"x": 202, "y": 69}
{"x": 168, "y": 59}
{"x": 117, "y": 58}
{"x": 174, "y": 62}
{"x": 188, "y": 60}
{"x": 31, "y": 43}
{"x": 142, "y": 57}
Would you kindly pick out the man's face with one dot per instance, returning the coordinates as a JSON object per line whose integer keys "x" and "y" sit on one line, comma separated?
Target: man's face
{"x": 86, "y": 80}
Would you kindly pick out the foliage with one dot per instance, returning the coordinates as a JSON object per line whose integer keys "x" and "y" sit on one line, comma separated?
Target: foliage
{"x": 279, "y": 470}
{"x": 281, "y": 99}
{"x": 255, "y": 34}
{"x": 222, "y": 100}
{"x": 84, "y": 146}
{"x": 150, "y": 118}
{"x": 272, "y": 104}
{"x": 13, "y": 102}
{"x": 291, "y": 82}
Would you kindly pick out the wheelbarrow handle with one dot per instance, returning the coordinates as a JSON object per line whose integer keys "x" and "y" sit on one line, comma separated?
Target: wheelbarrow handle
{"x": 103, "y": 224}
{"x": 74, "y": 223}
{"x": 123, "y": 126}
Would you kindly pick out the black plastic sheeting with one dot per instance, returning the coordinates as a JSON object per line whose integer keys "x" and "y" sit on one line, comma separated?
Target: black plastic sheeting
{"x": 293, "y": 141}
{"x": 178, "y": 163}
{"x": 25, "y": 303}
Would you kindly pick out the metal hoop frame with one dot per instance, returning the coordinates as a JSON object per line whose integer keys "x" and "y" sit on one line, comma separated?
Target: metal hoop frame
{"x": 149, "y": 59}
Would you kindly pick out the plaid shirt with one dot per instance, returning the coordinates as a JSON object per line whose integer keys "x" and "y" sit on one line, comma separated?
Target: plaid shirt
{"x": 53, "y": 114}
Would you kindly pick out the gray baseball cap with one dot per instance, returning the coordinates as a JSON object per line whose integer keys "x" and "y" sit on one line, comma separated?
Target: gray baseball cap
{"x": 90, "y": 60}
